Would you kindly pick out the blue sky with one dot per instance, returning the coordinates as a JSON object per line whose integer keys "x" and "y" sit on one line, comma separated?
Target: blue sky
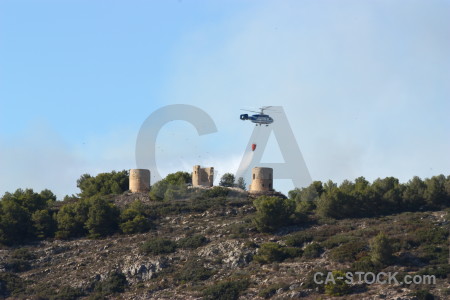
{"x": 365, "y": 85}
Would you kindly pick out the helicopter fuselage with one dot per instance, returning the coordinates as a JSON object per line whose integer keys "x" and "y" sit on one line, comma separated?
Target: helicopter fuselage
{"x": 258, "y": 119}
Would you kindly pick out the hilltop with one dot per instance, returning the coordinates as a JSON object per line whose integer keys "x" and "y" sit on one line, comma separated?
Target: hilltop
{"x": 218, "y": 243}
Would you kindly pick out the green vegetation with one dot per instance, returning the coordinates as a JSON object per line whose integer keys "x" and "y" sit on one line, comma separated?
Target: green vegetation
{"x": 227, "y": 180}
{"x": 312, "y": 250}
{"x": 273, "y": 212}
{"x": 339, "y": 287}
{"x": 193, "y": 270}
{"x": 158, "y": 246}
{"x": 135, "y": 219}
{"x": 381, "y": 250}
{"x": 10, "y": 284}
{"x": 226, "y": 290}
{"x": 273, "y": 252}
{"x": 172, "y": 187}
{"x": 23, "y": 216}
{"x": 103, "y": 184}
{"x": 192, "y": 242}
{"x": 382, "y": 197}
{"x": 113, "y": 284}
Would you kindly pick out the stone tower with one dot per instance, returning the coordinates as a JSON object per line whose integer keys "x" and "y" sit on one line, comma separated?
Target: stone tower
{"x": 202, "y": 176}
{"x": 262, "y": 180}
{"x": 139, "y": 180}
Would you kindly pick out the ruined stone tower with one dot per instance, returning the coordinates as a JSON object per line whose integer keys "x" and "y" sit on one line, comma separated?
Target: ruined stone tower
{"x": 262, "y": 180}
{"x": 139, "y": 180}
{"x": 202, "y": 176}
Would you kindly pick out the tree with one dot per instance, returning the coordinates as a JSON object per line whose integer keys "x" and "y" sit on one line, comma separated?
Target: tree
{"x": 134, "y": 219}
{"x": 227, "y": 180}
{"x": 381, "y": 250}
{"x": 103, "y": 184}
{"x": 413, "y": 195}
{"x": 435, "y": 193}
{"x": 44, "y": 224}
{"x": 71, "y": 219}
{"x": 273, "y": 212}
{"x": 241, "y": 183}
{"x": 173, "y": 186}
{"x": 102, "y": 217}
{"x": 179, "y": 178}
{"x": 15, "y": 223}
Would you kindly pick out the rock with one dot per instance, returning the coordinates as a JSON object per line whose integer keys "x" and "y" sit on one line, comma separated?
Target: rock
{"x": 143, "y": 270}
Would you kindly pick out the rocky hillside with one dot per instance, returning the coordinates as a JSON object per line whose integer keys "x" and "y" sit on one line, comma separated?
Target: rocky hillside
{"x": 212, "y": 250}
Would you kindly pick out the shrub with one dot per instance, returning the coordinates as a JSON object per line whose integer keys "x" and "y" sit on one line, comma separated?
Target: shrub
{"x": 216, "y": 191}
{"x": 116, "y": 282}
{"x": 192, "y": 242}
{"x": 273, "y": 252}
{"x": 226, "y": 290}
{"x": 312, "y": 250}
{"x": 339, "y": 287}
{"x": 269, "y": 291}
{"x": 68, "y": 293}
{"x": 440, "y": 271}
{"x": 365, "y": 264}
{"x": 10, "y": 284}
{"x": 20, "y": 260}
{"x": 298, "y": 239}
{"x": 272, "y": 212}
{"x": 347, "y": 252}
{"x": 337, "y": 240}
{"x": 193, "y": 270}
{"x": 422, "y": 295}
{"x": 134, "y": 219}
{"x": 159, "y": 246}
{"x": 381, "y": 250}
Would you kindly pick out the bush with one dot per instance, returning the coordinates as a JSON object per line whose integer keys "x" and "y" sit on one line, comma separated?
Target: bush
{"x": 271, "y": 290}
{"x": 273, "y": 252}
{"x": 298, "y": 239}
{"x": 192, "y": 242}
{"x": 10, "y": 284}
{"x": 381, "y": 250}
{"x": 312, "y": 250}
{"x": 440, "y": 271}
{"x": 134, "y": 219}
{"x": 347, "y": 252}
{"x": 68, "y": 293}
{"x": 116, "y": 282}
{"x": 193, "y": 270}
{"x": 272, "y": 212}
{"x": 365, "y": 264}
{"x": 226, "y": 290}
{"x": 216, "y": 191}
{"x": 339, "y": 287}
{"x": 159, "y": 246}
{"x": 422, "y": 295}
{"x": 337, "y": 240}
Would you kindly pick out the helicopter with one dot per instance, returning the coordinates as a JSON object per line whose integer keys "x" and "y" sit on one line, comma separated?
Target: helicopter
{"x": 260, "y": 118}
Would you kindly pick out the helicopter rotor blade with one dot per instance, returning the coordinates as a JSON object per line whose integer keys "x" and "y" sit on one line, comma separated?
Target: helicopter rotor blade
{"x": 250, "y": 110}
